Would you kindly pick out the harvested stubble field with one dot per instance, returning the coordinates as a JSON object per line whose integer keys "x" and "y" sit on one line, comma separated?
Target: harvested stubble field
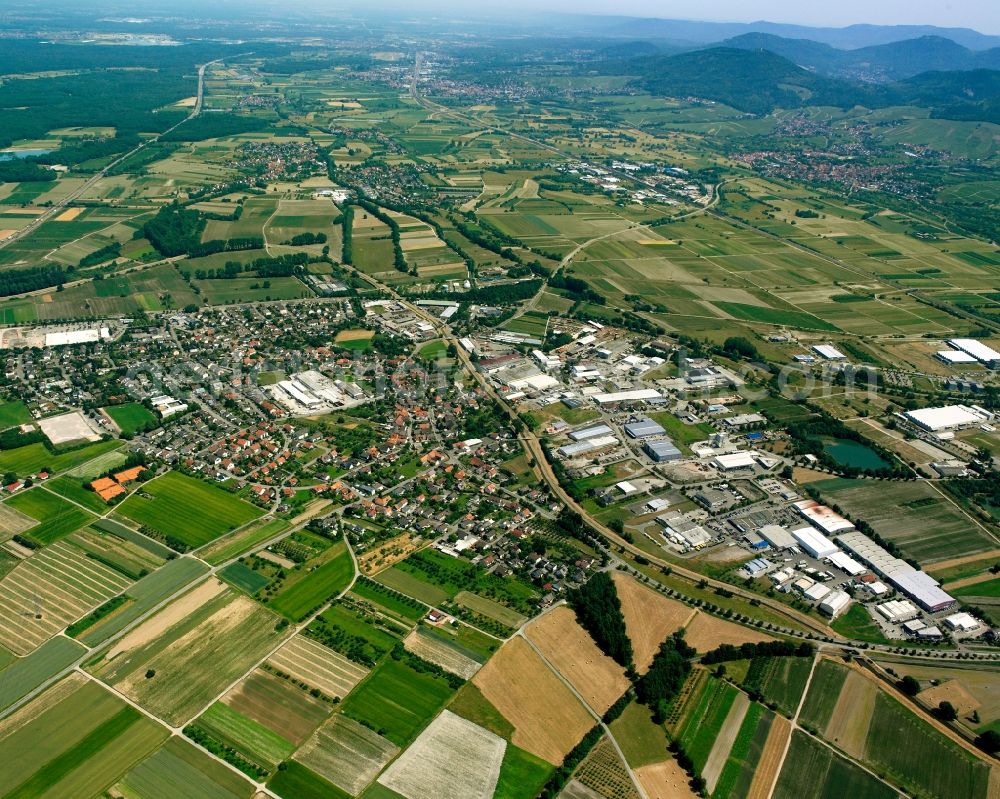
{"x": 706, "y": 632}
{"x": 452, "y": 759}
{"x": 548, "y": 720}
{"x": 650, "y": 617}
{"x": 318, "y": 666}
{"x": 194, "y": 648}
{"x": 665, "y": 780}
{"x": 346, "y": 753}
{"x": 771, "y": 757}
{"x": 440, "y": 653}
{"x": 60, "y": 584}
{"x": 571, "y": 650}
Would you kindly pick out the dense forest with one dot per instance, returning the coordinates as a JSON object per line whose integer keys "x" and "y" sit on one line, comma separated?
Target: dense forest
{"x": 599, "y": 612}
{"x": 18, "y": 281}
{"x": 175, "y": 230}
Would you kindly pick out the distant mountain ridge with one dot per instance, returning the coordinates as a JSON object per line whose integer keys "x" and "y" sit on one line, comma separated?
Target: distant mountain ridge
{"x": 880, "y": 63}
{"x": 758, "y": 81}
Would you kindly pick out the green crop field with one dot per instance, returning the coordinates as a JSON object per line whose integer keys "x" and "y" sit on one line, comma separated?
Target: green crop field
{"x": 179, "y": 769}
{"x": 824, "y": 690}
{"x": 306, "y": 591}
{"x": 131, "y": 417}
{"x": 388, "y": 600}
{"x": 250, "y": 738}
{"x": 33, "y": 458}
{"x": 295, "y": 781}
{"x": 397, "y": 701}
{"x": 187, "y": 509}
{"x": 929, "y": 764}
{"x": 780, "y": 680}
{"x": 522, "y": 775}
{"x": 24, "y": 675}
{"x": 756, "y": 717}
{"x": 642, "y": 741}
{"x": 242, "y": 576}
{"x": 811, "y": 769}
{"x": 235, "y": 544}
{"x": 703, "y": 724}
{"x": 76, "y": 747}
{"x": 55, "y": 515}
{"x": 926, "y": 525}
{"x": 358, "y": 639}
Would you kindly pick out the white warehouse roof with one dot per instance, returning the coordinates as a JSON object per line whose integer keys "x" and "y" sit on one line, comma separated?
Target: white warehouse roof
{"x": 814, "y": 542}
{"x": 826, "y": 519}
{"x": 975, "y": 348}
{"x": 735, "y": 460}
{"x": 947, "y": 417}
{"x": 591, "y": 432}
{"x": 835, "y": 602}
{"x": 636, "y": 395}
{"x": 829, "y": 352}
{"x": 847, "y": 564}
{"x": 777, "y": 536}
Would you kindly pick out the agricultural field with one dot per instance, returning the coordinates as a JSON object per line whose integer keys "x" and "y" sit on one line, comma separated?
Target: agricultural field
{"x": 180, "y": 769}
{"x": 547, "y": 719}
{"x": 650, "y": 617}
{"x": 346, "y": 753}
{"x": 316, "y": 583}
{"x": 186, "y": 510}
{"x": 51, "y": 589}
{"x": 229, "y": 727}
{"x": 602, "y": 772}
{"x": 319, "y": 667}
{"x": 229, "y": 546}
{"x": 811, "y": 769}
{"x": 780, "y": 680}
{"x": 177, "y": 660}
{"x": 452, "y": 759}
{"x": 33, "y": 458}
{"x": 76, "y": 739}
{"x": 573, "y": 653}
{"x": 55, "y": 516}
{"x": 21, "y": 676}
{"x": 921, "y": 520}
{"x": 396, "y": 700}
{"x": 705, "y": 632}
{"x": 440, "y": 652}
{"x": 278, "y": 704}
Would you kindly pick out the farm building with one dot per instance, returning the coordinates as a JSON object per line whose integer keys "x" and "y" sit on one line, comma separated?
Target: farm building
{"x": 644, "y": 427}
{"x": 813, "y": 542}
{"x": 949, "y": 417}
{"x": 835, "y": 603}
{"x": 822, "y": 517}
{"x": 662, "y": 451}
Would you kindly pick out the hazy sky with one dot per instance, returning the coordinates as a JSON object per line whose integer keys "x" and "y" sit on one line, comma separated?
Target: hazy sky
{"x": 983, "y": 15}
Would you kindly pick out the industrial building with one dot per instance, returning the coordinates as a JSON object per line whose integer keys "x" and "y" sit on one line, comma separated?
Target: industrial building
{"x": 949, "y": 417}
{"x": 835, "y": 603}
{"x": 662, "y": 451}
{"x": 635, "y": 395}
{"x": 644, "y": 427}
{"x": 985, "y": 355}
{"x": 588, "y": 445}
{"x": 777, "y": 536}
{"x": 896, "y": 611}
{"x": 918, "y": 585}
{"x": 591, "y": 432}
{"x": 814, "y": 542}
{"x": 822, "y": 517}
{"x": 846, "y": 564}
{"x": 829, "y": 352}
{"x": 734, "y": 461}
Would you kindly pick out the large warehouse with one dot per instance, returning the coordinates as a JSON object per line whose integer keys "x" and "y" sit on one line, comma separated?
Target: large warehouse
{"x": 662, "y": 451}
{"x": 644, "y": 427}
{"x": 814, "y": 542}
{"x": 826, "y": 519}
{"x": 949, "y": 417}
{"x": 986, "y": 355}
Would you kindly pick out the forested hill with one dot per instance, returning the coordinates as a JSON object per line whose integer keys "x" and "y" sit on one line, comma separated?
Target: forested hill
{"x": 758, "y": 81}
